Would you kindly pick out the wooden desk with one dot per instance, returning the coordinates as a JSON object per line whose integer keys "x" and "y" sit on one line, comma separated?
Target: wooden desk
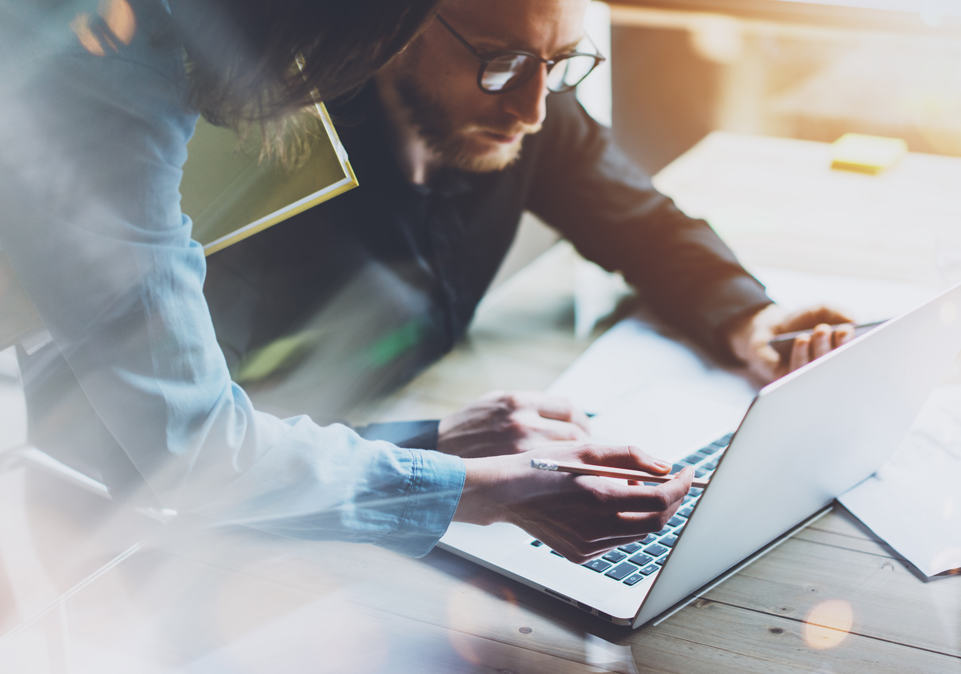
{"x": 240, "y": 603}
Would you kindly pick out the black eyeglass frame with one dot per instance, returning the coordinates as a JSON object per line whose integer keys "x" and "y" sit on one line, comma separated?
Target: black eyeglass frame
{"x": 488, "y": 58}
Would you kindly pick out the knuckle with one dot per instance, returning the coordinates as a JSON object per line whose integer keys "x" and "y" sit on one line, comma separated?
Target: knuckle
{"x": 514, "y": 428}
{"x": 492, "y": 398}
{"x": 601, "y": 498}
{"x": 662, "y": 502}
{"x": 589, "y": 453}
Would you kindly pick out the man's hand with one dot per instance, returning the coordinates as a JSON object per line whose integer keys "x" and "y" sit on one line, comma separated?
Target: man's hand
{"x": 508, "y": 423}
{"x": 749, "y": 338}
{"x": 579, "y": 516}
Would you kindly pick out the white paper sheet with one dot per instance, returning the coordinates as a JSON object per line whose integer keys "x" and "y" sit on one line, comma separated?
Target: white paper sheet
{"x": 914, "y": 501}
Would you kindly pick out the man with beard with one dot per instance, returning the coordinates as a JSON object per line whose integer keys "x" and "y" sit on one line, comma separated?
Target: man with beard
{"x": 474, "y": 123}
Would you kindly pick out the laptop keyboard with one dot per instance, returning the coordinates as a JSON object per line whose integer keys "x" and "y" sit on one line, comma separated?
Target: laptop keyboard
{"x": 634, "y": 562}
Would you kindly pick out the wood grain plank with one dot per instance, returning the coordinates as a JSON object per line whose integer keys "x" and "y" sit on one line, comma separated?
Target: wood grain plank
{"x": 886, "y": 600}
{"x": 711, "y": 637}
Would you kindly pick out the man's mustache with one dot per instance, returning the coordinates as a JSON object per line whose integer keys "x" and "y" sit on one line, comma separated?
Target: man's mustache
{"x": 502, "y": 130}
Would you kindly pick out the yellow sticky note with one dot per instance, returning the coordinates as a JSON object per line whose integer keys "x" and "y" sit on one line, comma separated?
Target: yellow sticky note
{"x": 866, "y": 154}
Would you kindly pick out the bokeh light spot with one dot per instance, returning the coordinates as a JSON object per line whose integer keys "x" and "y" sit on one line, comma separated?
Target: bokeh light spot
{"x": 828, "y": 624}
{"x": 119, "y": 25}
{"x": 120, "y": 19}
{"x": 81, "y": 28}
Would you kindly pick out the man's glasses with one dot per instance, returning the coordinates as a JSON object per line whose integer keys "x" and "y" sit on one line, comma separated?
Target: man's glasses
{"x": 504, "y": 70}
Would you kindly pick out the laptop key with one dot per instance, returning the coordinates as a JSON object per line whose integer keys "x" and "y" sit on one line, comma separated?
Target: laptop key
{"x": 598, "y": 565}
{"x": 674, "y": 521}
{"x": 686, "y": 511}
{"x": 621, "y": 572}
{"x": 641, "y": 559}
{"x": 536, "y": 543}
{"x": 648, "y": 570}
{"x": 630, "y": 548}
{"x": 614, "y": 556}
{"x": 660, "y": 561}
{"x": 669, "y": 541}
{"x": 635, "y": 579}
{"x": 655, "y": 550}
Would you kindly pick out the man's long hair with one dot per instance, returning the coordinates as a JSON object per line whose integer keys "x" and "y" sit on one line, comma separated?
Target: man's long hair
{"x": 256, "y": 60}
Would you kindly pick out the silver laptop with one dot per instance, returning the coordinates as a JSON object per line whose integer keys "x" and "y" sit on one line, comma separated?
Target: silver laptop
{"x": 805, "y": 439}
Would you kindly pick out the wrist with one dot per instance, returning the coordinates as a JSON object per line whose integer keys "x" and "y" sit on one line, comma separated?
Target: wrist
{"x": 484, "y": 495}
{"x": 742, "y": 330}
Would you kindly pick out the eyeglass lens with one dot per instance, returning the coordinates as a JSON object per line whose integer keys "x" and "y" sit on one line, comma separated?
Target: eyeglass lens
{"x": 511, "y": 70}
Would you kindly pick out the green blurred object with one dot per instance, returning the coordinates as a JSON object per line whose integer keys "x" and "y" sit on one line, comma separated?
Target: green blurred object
{"x": 393, "y": 345}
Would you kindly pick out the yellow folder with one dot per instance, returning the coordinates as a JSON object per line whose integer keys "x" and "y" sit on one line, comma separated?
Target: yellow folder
{"x": 230, "y": 194}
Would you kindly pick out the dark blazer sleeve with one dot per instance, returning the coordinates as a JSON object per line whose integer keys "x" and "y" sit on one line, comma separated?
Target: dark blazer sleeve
{"x": 419, "y": 434}
{"x": 587, "y": 188}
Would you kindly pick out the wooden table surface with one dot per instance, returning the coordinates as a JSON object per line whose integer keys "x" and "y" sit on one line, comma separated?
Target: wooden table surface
{"x": 831, "y": 599}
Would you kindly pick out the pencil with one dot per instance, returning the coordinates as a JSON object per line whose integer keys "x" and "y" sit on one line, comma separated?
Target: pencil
{"x": 606, "y": 471}
{"x": 784, "y": 342}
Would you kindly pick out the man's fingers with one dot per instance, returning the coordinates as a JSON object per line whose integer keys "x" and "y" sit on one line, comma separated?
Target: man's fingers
{"x": 842, "y": 334}
{"x": 800, "y": 352}
{"x": 626, "y": 456}
{"x": 551, "y": 430}
{"x": 619, "y": 497}
{"x": 803, "y": 320}
{"x": 561, "y": 409}
{"x": 546, "y": 406}
{"x": 820, "y": 340}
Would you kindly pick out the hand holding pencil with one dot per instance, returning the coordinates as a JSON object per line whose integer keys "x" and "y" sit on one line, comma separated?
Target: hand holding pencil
{"x": 577, "y": 518}
{"x": 607, "y": 471}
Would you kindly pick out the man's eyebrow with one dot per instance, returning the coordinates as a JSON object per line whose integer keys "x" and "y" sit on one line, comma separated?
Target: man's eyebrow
{"x": 494, "y": 44}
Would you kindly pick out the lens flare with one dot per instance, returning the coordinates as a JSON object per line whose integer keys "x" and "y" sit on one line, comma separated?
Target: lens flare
{"x": 828, "y": 624}
{"x": 116, "y": 22}
{"x": 81, "y": 28}
{"x": 120, "y": 19}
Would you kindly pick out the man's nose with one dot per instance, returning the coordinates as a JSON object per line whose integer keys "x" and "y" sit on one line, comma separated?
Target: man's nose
{"x": 528, "y": 102}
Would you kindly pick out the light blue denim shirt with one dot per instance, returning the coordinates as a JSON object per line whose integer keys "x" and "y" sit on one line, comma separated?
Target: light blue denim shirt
{"x": 91, "y": 150}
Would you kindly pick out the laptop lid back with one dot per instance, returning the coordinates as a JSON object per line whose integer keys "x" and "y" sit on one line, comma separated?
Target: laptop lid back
{"x": 806, "y": 439}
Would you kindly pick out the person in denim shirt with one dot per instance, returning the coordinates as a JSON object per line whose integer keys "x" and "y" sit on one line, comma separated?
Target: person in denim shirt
{"x": 98, "y": 110}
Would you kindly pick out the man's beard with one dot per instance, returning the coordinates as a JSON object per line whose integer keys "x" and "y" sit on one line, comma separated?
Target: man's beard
{"x": 452, "y": 146}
